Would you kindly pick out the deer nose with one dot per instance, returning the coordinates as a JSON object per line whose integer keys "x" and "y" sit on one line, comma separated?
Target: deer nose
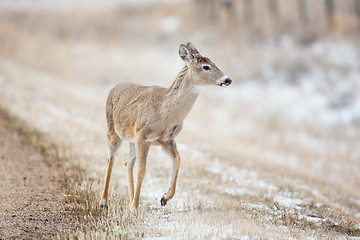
{"x": 228, "y": 81}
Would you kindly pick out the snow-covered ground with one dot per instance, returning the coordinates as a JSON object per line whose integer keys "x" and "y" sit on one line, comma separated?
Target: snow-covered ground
{"x": 271, "y": 155}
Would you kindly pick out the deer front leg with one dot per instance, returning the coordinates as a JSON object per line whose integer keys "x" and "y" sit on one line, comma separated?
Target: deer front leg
{"x": 114, "y": 144}
{"x": 130, "y": 167}
{"x": 142, "y": 149}
{"x": 171, "y": 149}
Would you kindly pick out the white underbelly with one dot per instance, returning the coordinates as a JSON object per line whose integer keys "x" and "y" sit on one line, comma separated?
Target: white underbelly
{"x": 131, "y": 140}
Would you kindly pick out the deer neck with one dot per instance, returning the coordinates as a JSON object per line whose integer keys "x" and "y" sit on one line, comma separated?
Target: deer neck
{"x": 181, "y": 96}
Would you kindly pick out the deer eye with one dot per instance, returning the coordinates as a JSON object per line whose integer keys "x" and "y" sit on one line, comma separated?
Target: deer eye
{"x": 206, "y": 67}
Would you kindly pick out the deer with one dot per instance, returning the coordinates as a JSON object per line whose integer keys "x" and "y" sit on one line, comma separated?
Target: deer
{"x": 153, "y": 115}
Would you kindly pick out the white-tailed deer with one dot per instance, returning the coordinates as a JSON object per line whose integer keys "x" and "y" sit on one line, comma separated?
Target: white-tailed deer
{"x": 148, "y": 115}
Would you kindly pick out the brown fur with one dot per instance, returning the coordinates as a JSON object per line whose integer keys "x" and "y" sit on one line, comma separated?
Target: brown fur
{"x": 154, "y": 115}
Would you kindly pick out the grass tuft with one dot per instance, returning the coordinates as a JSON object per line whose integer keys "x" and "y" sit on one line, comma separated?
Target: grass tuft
{"x": 81, "y": 199}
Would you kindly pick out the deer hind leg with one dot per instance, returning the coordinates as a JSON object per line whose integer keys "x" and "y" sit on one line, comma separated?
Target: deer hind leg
{"x": 171, "y": 149}
{"x": 114, "y": 144}
{"x": 130, "y": 167}
{"x": 142, "y": 149}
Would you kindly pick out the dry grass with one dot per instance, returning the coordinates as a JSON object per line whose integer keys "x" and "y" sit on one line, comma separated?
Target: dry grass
{"x": 231, "y": 185}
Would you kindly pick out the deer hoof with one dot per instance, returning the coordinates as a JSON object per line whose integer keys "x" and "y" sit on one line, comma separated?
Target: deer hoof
{"x": 103, "y": 204}
{"x": 104, "y": 207}
{"x": 163, "y": 201}
{"x": 133, "y": 210}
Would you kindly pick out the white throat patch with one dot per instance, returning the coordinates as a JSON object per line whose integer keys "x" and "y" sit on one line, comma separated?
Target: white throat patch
{"x": 196, "y": 89}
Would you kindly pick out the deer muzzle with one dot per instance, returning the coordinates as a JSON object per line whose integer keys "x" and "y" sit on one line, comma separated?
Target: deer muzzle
{"x": 224, "y": 81}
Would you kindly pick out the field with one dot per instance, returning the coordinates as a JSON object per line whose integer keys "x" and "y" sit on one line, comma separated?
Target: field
{"x": 273, "y": 156}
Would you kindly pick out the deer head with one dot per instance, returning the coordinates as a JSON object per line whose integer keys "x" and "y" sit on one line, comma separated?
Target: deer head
{"x": 206, "y": 72}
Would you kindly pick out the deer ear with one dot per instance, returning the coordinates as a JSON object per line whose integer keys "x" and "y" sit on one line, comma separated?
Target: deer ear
{"x": 192, "y": 49}
{"x": 185, "y": 54}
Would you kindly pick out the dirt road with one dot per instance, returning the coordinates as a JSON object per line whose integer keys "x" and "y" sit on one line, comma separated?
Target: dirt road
{"x": 31, "y": 196}
{"x": 266, "y": 158}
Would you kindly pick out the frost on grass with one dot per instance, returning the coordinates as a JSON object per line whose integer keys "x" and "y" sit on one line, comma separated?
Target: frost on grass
{"x": 239, "y": 186}
{"x": 243, "y": 180}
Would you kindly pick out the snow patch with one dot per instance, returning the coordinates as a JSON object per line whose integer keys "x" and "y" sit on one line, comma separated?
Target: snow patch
{"x": 287, "y": 201}
{"x": 243, "y": 179}
{"x": 313, "y": 219}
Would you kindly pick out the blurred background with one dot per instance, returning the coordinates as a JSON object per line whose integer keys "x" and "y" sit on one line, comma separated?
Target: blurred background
{"x": 293, "y": 110}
